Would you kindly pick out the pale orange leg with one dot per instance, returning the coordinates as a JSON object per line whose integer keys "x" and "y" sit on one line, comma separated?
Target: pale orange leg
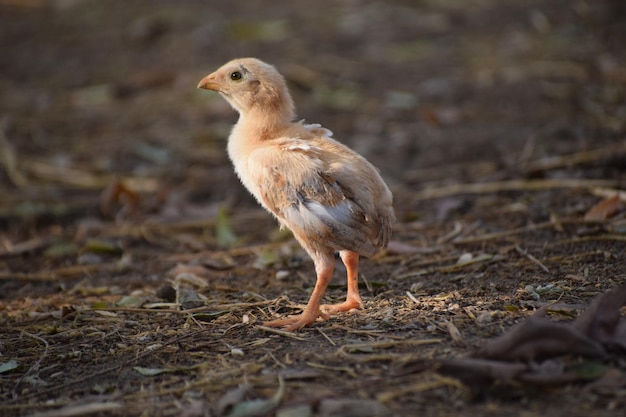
{"x": 324, "y": 267}
{"x": 353, "y": 300}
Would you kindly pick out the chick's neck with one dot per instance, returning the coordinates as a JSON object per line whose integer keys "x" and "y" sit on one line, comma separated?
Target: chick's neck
{"x": 263, "y": 122}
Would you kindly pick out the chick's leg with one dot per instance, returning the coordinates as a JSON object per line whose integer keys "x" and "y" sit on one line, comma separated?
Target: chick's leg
{"x": 324, "y": 267}
{"x": 353, "y": 300}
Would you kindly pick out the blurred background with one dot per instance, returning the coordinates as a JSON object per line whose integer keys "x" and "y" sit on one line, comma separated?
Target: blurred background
{"x": 95, "y": 91}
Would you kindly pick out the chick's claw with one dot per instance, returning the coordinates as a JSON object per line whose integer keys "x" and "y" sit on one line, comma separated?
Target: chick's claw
{"x": 349, "y": 304}
{"x": 294, "y": 323}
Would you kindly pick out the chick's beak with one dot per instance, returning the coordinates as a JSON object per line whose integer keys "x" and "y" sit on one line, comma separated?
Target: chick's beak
{"x": 209, "y": 83}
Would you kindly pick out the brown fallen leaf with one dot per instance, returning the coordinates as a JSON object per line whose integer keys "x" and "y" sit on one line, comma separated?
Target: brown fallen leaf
{"x": 605, "y": 209}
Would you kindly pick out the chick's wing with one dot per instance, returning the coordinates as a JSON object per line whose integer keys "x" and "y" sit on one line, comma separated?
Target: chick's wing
{"x": 320, "y": 193}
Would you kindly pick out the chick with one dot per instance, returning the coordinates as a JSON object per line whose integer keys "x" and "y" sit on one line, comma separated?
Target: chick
{"x": 331, "y": 198}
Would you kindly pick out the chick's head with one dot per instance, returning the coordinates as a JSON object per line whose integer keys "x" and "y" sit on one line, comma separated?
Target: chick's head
{"x": 251, "y": 85}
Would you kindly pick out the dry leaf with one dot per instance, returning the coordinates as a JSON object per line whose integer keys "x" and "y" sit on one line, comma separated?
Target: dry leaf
{"x": 118, "y": 193}
{"x": 601, "y": 321}
{"x": 605, "y": 209}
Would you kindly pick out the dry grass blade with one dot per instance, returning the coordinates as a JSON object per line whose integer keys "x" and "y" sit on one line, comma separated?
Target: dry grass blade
{"x": 22, "y": 276}
{"x": 570, "y": 160}
{"x": 513, "y": 185}
{"x": 8, "y": 158}
{"x": 345, "y": 369}
{"x": 24, "y": 247}
{"x": 81, "y": 409}
{"x": 609, "y": 192}
{"x": 436, "y": 381}
{"x": 532, "y": 258}
{"x": 346, "y": 349}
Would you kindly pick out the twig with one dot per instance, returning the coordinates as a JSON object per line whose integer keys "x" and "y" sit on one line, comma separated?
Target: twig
{"x": 282, "y": 333}
{"x": 412, "y": 297}
{"x": 35, "y": 366}
{"x": 202, "y": 309}
{"x": 8, "y": 157}
{"x": 608, "y": 237}
{"x": 344, "y": 350}
{"x": 326, "y": 336}
{"x": 479, "y": 259}
{"x": 366, "y": 282}
{"x": 532, "y": 258}
{"x": 22, "y": 276}
{"x": 56, "y": 274}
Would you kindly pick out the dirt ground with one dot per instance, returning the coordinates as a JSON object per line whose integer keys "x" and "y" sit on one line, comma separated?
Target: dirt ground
{"x": 135, "y": 271}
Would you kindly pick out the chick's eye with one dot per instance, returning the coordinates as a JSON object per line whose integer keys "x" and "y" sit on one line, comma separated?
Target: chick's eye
{"x": 235, "y": 75}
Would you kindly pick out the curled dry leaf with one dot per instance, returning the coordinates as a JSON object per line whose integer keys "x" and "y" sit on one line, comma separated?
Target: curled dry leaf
{"x": 600, "y": 327}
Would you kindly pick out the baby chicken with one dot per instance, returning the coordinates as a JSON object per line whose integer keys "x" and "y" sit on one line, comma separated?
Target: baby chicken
{"x": 331, "y": 198}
